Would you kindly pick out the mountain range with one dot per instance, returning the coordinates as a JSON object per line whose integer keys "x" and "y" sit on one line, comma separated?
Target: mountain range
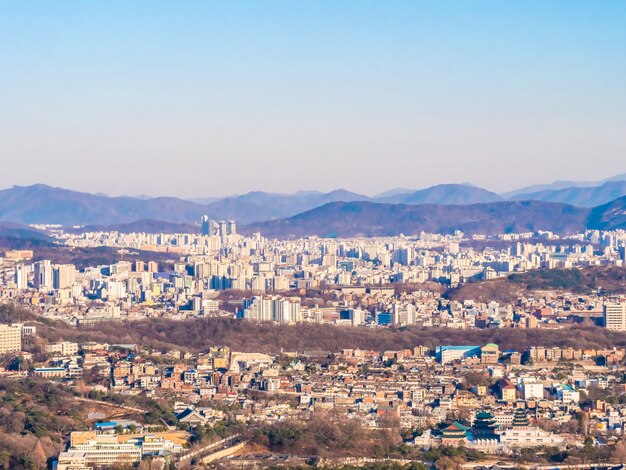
{"x": 579, "y": 196}
{"x": 42, "y": 204}
{"x": 39, "y": 204}
{"x": 369, "y": 219}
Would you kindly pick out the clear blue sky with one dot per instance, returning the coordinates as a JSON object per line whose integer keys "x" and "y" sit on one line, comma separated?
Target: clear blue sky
{"x": 213, "y": 98}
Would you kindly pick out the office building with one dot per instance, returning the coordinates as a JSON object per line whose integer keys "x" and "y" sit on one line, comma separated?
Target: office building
{"x": 615, "y": 316}
{"x": 206, "y": 227}
{"x": 10, "y": 338}
{"x": 63, "y": 276}
{"x": 231, "y": 227}
{"x": 42, "y": 279}
{"x": 21, "y": 277}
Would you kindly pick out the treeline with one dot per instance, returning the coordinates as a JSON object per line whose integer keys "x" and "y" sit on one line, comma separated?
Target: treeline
{"x": 35, "y": 416}
{"x": 199, "y": 334}
{"x": 328, "y": 435}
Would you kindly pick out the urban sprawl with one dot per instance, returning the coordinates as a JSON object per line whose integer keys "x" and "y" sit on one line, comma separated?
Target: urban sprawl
{"x": 235, "y": 409}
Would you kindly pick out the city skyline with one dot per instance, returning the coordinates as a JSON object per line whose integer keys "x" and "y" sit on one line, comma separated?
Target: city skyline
{"x": 316, "y": 234}
{"x": 282, "y": 97}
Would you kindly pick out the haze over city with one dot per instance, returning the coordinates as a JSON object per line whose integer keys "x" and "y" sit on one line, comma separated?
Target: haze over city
{"x": 218, "y": 98}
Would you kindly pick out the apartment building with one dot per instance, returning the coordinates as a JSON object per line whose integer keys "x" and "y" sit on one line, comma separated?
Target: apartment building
{"x": 10, "y": 338}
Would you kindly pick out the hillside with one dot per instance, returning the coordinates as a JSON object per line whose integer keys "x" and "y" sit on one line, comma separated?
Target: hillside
{"x": 578, "y": 196}
{"x": 44, "y": 204}
{"x": 81, "y": 257}
{"x": 199, "y": 335}
{"x": 368, "y": 219}
{"x": 458, "y": 194}
{"x": 442, "y": 208}
{"x": 558, "y": 185}
{"x": 10, "y": 230}
{"x": 258, "y": 205}
{"x": 610, "y": 216}
{"x": 611, "y": 280}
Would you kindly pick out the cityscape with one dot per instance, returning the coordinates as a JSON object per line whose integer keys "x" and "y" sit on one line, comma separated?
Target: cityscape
{"x": 313, "y": 235}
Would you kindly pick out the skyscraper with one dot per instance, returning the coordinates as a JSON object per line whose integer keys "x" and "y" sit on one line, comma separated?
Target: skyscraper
{"x": 21, "y": 279}
{"x": 231, "y": 227}
{"x": 206, "y": 225}
{"x": 43, "y": 275}
{"x": 64, "y": 276}
{"x": 210, "y": 228}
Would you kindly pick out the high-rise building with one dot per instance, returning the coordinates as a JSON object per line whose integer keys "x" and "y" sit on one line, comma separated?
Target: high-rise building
{"x": 63, "y": 276}
{"x": 615, "y": 316}
{"x": 210, "y": 228}
{"x": 276, "y": 309}
{"x": 231, "y": 227}
{"x": 10, "y": 338}
{"x": 205, "y": 225}
{"x": 43, "y": 275}
{"x": 21, "y": 277}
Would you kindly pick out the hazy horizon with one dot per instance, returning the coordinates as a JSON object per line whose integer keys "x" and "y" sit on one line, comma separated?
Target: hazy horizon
{"x": 202, "y": 99}
{"x": 305, "y": 190}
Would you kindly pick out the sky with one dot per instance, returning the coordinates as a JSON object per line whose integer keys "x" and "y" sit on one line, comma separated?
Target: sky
{"x": 198, "y": 99}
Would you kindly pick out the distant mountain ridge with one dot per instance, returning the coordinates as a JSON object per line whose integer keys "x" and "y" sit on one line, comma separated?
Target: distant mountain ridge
{"x": 444, "y": 194}
{"x": 369, "y": 219}
{"x": 40, "y": 203}
{"x": 586, "y": 196}
{"x": 45, "y": 204}
{"x": 558, "y": 185}
{"x": 609, "y": 216}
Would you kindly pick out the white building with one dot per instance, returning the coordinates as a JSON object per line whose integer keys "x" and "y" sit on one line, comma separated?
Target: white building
{"x": 64, "y": 348}
{"x": 10, "y": 338}
{"x": 109, "y": 449}
{"x": 529, "y": 437}
{"x": 615, "y": 316}
{"x": 278, "y": 309}
{"x": 531, "y": 390}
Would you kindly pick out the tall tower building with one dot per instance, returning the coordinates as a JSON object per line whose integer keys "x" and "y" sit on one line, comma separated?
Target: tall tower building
{"x": 206, "y": 225}
{"x": 43, "y": 275}
{"x": 210, "y": 228}
{"x": 21, "y": 279}
{"x": 64, "y": 276}
{"x": 222, "y": 229}
{"x": 231, "y": 227}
